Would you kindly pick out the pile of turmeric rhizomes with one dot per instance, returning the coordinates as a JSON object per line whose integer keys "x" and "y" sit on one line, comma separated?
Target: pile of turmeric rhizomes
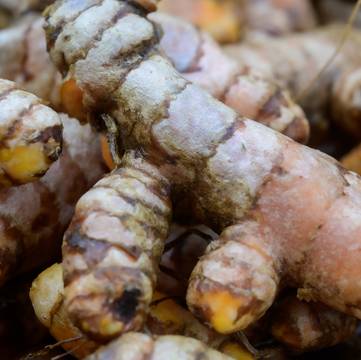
{"x": 158, "y": 199}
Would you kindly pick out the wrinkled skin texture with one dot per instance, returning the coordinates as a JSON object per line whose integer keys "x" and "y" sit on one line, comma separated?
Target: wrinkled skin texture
{"x": 30, "y": 136}
{"x": 166, "y": 317}
{"x": 238, "y": 87}
{"x": 294, "y": 61}
{"x": 24, "y": 59}
{"x": 124, "y": 219}
{"x": 289, "y": 215}
{"x": 47, "y": 297}
{"x": 34, "y": 216}
{"x": 200, "y": 60}
{"x": 299, "y": 325}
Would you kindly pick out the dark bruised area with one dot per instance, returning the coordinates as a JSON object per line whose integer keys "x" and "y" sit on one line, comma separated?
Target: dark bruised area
{"x": 125, "y": 307}
{"x": 200, "y": 356}
{"x": 294, "y": 131}
{"x": 76, "y": 242}
{"x": 271, "y": 110}
{"x": 137, "y": 7}
{"x": 271, "y": 107}
{"x": 93, "y": 250}
{"x": 51, "y": 133}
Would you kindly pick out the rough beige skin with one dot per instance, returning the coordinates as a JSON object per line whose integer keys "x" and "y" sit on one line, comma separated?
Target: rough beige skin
{"x": 137, "y": 346}
{"x": 24, "y": 59}
{"x": 289, "y": 214}
{"x": 309, "y": 326}
{"x": 47, "y": 297}
{"x": 200, "y": 60}
{"x": 166, "y": 317}
{"x": 294, "y": 61}
{"x": 33, "y": 217}
{"x": 112, "y": 248}
{"x": 221, "y": 76}
{"x": 30, "y": 136}
{"x": 299, "y": 325}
